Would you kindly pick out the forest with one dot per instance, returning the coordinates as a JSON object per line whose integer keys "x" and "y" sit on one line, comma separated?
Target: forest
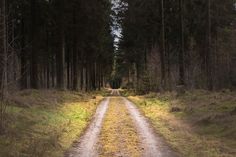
{"x": 61, "y": 62}
{"x": 178, "y": 43}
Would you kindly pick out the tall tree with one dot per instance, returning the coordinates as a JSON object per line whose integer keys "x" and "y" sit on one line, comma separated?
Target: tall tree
{"x": 34, "y": 80}
{"x": 182, "y": 47}
{"x": 209, "y": 52}
{"x": 163, "y": 49}
{"x": 61, "y": 51}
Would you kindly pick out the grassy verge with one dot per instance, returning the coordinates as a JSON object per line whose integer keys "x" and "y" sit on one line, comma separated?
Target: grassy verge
{"x": 45, "y": 123}
{"x": 199, "y": 123}
{"x": 118, "y": 136}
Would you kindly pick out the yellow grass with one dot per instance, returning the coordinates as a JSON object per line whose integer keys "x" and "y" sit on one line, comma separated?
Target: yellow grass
{"x": 184, "y": 130}
{"x": 118, "y": 136}
{"x": 45, "y": 123}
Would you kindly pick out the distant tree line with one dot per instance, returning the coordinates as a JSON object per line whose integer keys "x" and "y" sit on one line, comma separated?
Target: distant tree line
{"x": 55, "y": 44}
{"x": 168, "y": 44}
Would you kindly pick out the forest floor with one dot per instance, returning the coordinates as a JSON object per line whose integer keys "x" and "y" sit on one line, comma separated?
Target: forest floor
{"x": 44, "y": 123}
{"x": 198, "y": 123}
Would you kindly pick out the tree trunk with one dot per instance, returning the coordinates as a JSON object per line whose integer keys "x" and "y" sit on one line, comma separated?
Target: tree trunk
{"x": 209, "y": 53}
{"x": 53, "y": 69}
{"x": 168, "y": 66}
{"x": 162, "y": 53}
{"x": 181, "y": 53}
{"x": 23, "y": 80}
{"x": 34, "y": 57}
{"x": 75, "y": 54}
{"x": 61, "y": 52}
{"x": 4, "y": 81}
{"x": 61, "y": 64}
{"x": 48, "y": 62}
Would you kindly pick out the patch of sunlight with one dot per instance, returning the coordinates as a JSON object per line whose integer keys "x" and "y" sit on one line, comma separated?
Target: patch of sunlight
{"x": 41, "y": 130}
{"x": 180, "y": 129}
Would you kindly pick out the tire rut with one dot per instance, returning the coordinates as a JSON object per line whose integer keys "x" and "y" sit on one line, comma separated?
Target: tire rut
{"x": 153, "y": 145}
{"x": 86, "y": 146}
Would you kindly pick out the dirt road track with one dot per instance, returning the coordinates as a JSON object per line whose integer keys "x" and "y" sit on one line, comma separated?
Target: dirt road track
{"x": 152, "y": 145}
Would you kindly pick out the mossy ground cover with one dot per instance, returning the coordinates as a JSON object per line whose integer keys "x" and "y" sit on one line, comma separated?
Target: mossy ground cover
{"x": 118, "y": 136}
{"x": 198, "y": 123}
{"x": 45, "y": 123}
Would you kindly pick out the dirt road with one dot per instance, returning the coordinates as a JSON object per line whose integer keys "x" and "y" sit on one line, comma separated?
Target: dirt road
{"x": 118, "y": 129}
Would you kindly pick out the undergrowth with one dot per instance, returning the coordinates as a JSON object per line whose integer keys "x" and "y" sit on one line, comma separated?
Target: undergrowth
{"x": 45, "y": 123}
{"x": 198, "y": 123}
